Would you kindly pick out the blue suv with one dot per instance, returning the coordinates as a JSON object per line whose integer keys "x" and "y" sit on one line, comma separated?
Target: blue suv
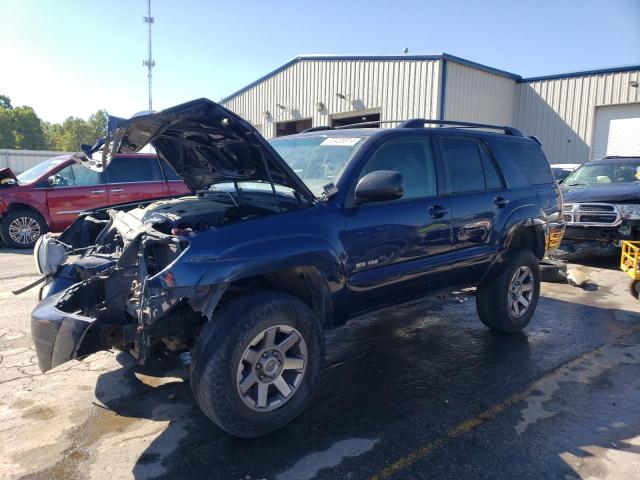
{"x": 285, "y": 239}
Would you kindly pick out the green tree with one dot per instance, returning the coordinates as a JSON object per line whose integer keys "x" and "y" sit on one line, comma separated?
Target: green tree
{"x": 97, "y": 125}
{"x": 53, "y": 134}
{"x": 27, "y": 129}
{"x": 21, "y": 128}
{"x": 74, "y": 131}
{"x": 5, "y": 102}
{"x": 7, "y": 139}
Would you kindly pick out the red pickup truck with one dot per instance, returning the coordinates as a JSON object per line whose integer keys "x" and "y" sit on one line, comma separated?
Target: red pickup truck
{"x": 49, "y": 196}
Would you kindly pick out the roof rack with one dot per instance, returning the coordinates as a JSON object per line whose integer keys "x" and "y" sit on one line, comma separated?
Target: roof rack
{"x": 420, "y": 123}
{"x": 317, "y": 129}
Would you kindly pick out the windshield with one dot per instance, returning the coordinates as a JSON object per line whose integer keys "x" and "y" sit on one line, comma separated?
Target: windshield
{"x": 317, "y": 160}
{"x": 561, "y": 173}
{"x": 608, "y": 171}
{"x": 40, "y": 169}
{"x": 251, "y": 186}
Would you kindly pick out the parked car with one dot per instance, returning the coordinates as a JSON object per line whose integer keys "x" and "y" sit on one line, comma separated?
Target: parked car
{"x": 562, "y": 170}
{"x": 602, "y": 204}
{"x": 285, "y": 240}
{"x": 50, "y": 195}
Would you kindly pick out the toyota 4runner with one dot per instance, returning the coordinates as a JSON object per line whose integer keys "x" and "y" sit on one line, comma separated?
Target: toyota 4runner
{"x": 286, "y": 239}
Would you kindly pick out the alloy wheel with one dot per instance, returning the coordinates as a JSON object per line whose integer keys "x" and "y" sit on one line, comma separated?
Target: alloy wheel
{"x": 24, "y": 230}
{"x": 520, "y": 291}
{"x": 272, "y": 368}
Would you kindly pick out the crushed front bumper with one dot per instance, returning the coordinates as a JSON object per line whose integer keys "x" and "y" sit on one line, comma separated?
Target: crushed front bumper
{"x": 627, "y": 230}
{"x": 57, "y": 335}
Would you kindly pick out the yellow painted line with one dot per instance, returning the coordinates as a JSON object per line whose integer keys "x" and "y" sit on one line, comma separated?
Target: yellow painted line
{"x": 460, "y": 429}
{"x": 475, "y": 422}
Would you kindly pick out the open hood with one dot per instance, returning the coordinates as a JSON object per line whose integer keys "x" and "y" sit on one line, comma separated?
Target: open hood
{"x": 204, "y": 142}
{"x": 7, "y": 177}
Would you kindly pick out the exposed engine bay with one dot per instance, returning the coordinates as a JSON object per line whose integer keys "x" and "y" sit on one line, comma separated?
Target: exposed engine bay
{"x": 120, "y": 286}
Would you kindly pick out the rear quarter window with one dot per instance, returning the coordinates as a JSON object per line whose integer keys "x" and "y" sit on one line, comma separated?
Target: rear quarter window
{"x": 531, "y": 161}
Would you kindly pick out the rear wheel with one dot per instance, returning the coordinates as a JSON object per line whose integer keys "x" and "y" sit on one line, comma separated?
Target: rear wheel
{"x": 507, "y": 302}
{"x": 21, "y": 228}
{"x": 257, "y": 363}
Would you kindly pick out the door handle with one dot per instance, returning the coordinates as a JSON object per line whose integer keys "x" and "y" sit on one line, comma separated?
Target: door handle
{"x": 97, "y": 191}
{"x": 117, "y": 190}
{"x": 437, "y": 211}
{"x": 501, "y": 202}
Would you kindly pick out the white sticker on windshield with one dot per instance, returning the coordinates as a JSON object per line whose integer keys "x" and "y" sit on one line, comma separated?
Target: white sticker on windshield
{"x": 340, "y": 141}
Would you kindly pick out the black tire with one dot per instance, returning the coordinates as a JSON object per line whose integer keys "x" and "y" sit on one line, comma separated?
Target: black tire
{"x": 31, "y": 218}
{"x": 492, "y": 298}
{"x": 634, "y": 288}
{"x": 219, "y": 351}
{"x": 554, "y": 271}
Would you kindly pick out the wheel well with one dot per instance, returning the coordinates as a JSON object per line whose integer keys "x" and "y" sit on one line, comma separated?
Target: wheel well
{"x": 22, "y": 206}
{"x": 304, "y": 283}
{"x": 528, "y": 238}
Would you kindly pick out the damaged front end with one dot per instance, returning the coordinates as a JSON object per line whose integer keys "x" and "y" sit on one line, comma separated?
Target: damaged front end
{"x": 125, "y": 277}
{"x": 136, "y": 287}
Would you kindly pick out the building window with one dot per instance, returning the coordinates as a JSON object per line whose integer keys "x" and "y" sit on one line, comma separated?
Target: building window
{"x": 372, "y": 117}
{"x": 291, "y": 127}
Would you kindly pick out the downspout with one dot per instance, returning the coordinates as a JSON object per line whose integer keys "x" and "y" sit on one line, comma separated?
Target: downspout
{"x": 443, "y": 88}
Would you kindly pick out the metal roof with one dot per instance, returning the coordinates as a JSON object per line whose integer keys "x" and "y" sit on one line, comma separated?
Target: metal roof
{"x": 441, "y": 56}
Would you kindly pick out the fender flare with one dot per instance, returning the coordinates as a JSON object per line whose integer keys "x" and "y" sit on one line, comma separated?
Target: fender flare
{"x": 316, "y": 259}
{"x": 512, "y": 225}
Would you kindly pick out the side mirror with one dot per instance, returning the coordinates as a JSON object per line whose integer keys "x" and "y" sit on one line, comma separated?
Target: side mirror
{"x": 380, "y": 186}
{"x": 52, "y": 181}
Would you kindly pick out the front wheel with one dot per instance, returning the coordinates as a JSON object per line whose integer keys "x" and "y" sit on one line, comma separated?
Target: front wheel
{"x": 21, "y": 228}
{"x": 257, "y": 363}
{"x": 507, "y": 302}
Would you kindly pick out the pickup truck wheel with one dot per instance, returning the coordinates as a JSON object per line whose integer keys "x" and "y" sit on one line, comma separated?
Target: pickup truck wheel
{"x": 507, "y": 303}
{"x": 21, "y": 228}
{"x": 256, "y": 365}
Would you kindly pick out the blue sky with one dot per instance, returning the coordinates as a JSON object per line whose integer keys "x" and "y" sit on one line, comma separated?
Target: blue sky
{"x": 72, "y": 57}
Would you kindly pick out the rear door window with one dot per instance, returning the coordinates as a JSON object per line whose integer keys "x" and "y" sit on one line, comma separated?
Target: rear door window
{"x": 464, "y": 164}
{"x": 133, "y": 170}
{"x": 492, "y": 178}
{"x": 532, "y": 162}
{"x": 470, "y": 167}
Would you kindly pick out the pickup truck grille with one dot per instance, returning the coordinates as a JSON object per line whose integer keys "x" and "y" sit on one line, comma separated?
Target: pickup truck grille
{"x": 591, "y": 214}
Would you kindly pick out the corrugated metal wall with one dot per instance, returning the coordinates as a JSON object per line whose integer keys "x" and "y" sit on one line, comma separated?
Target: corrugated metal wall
{"x": 473, "y": 95}
{"x": 561, "y": 111}
{"x": 21, "y": 160}
{"x": 399, "y": 88}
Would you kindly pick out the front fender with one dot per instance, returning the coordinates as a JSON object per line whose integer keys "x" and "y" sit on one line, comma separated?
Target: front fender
{"x": 269, "y": 255}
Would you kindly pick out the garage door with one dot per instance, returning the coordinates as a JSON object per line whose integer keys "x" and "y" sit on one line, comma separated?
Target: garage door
{"x": 616, "y": 130}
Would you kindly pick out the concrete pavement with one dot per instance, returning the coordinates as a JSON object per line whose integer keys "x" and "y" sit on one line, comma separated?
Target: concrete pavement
{"x": 417, "y": 391}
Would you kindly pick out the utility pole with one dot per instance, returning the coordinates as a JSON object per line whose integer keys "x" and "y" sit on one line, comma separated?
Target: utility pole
{"x": 149, "y": 62}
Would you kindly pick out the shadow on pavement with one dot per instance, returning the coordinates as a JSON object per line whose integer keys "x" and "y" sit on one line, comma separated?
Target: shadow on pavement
{"x": 15, "y": 251}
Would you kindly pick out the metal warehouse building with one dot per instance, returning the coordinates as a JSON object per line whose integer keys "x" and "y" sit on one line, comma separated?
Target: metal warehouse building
{"x": 577, "y": 116}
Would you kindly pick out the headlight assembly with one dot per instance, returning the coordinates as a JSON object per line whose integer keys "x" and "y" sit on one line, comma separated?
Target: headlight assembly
{"x": 629, "y": 212}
